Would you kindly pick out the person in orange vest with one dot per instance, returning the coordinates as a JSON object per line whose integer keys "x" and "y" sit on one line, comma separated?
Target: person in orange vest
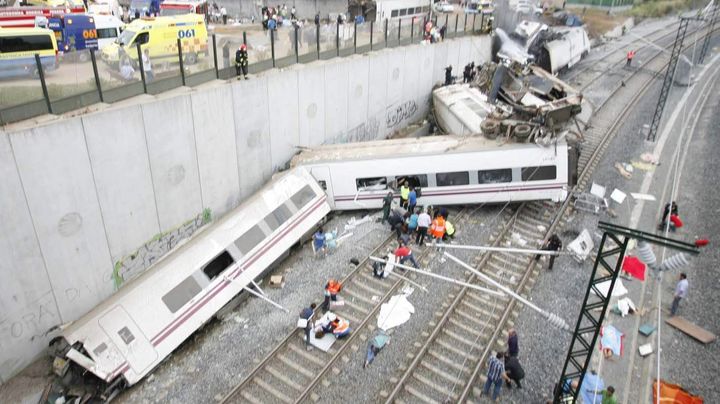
{"x": 437, "y": 229}
{"x": 340, "y": 328}
{"x": 630, "y": 56}
{"x": 332, "y": 288}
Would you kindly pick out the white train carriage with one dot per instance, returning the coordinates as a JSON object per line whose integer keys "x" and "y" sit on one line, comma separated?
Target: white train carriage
{"x": 125, "y": 337}
{"x": 448, "y": 169}
{"x": 571, "y": 45}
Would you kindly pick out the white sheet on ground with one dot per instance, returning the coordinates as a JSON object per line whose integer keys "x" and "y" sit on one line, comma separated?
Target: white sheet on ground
{"x": 618, "y": 290}
{"x": 324, "y": 343}
{"x": 395, "y": 312}
{"x": 624, "y": 305}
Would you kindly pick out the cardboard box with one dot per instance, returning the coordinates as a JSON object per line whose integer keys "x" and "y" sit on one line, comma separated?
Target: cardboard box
{"x": 277, "y": 281}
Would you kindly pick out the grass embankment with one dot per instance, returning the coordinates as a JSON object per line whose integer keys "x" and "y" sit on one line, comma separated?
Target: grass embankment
{"x": 658, "y": 8}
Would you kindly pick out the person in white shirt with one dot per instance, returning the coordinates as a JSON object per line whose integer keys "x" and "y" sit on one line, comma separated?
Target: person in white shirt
{"x": 126, "y": 70}
{"x": 424, "y": 221}
{"x": 147, "y": 66}
{"x": 680, "y": 293}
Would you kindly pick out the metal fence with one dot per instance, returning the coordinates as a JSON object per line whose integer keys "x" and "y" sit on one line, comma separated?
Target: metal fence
{"x": 86, "y": 77}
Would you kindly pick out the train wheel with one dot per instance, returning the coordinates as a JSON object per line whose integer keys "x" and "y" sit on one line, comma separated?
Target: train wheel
{"x": 490, "y": 128}
{"x": 522, "y": 132}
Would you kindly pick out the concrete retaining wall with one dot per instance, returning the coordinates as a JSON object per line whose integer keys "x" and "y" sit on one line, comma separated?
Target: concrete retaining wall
{"x": 89, "y": 202}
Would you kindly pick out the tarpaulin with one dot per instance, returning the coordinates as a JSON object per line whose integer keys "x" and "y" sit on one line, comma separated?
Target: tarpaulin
{"x": 674, "y": 394}
{"x": 634, "y": 267}
{"x": 612, "y": 338}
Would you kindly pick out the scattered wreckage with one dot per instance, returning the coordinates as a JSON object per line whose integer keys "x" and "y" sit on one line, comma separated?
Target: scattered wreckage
{"x": 527, "y": 103}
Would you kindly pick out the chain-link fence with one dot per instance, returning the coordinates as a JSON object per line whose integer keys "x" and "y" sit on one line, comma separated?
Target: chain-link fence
{"x": 78, "y": 79}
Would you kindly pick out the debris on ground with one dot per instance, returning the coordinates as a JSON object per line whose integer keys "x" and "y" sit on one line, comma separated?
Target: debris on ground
{"x": 621, "y": 168}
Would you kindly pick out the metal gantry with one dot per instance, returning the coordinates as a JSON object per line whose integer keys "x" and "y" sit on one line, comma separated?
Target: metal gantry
{"x": 669, "y": 76}
{"x": 610, "y": 256}
{"x": 706, "y": 42}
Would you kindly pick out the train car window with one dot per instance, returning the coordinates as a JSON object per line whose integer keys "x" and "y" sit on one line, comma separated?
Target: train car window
{"x": 323, "y": 185}
{"x": 181, "y": 294}
{"x": 403, "y": 11}
{"x": 277, "y": 217}
{"x": 126, "y": 335}
{"x": 394, "y": 13}
{"x": 218, "y": 265}
{"x": 303, "y": 196}
{"x": 452, "y": 179}
{"x": 100, "y": 349}
{"x": 418, "y": 10}
{"x": 371, "y": 184}
{"x": 419, "y": 180}
{"x": 250, "y": 239}
{"x": 495, "y": 176}
{"x": 539, "y": 173}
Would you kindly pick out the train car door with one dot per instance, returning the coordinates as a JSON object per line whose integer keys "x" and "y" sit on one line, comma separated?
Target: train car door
{"x": 322, "y": 176}
{"x": 127, "y": 337}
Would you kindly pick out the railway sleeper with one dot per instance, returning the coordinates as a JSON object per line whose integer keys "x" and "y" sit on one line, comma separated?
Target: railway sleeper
{"x": 525, "y": 227}
{"x": 369, "y": 278}
{"x": 444, "y": 359}
{"x": 349, "y": 290}
{"x": 494, "y": 301}
{"x": 307, "y": 356}
{"x": 251, "y": 398}
{"x": 279, "y": 375}
{"x": 272, "y": 390}
{"x": 450, "y": 347}
{"x": 501, "y": 260}
{"x": 417, "y": 394}
{"x": 369, "y": 289}
{"x": 469, "y": 342}
{"x": 455, "y": 322}
{"x": 480, "y": 310}
{"x": 294, "y": 365}
{"x": 438, "y": 388}
{"x": 470, "y": 317}
{"x": 439, "y": 372}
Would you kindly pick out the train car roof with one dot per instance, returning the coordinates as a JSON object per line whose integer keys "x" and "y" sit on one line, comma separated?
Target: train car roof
{"x": 427, "y": 145}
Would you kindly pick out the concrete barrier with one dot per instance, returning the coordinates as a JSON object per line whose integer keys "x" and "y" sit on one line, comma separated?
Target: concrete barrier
{"x": 91, "y": 201}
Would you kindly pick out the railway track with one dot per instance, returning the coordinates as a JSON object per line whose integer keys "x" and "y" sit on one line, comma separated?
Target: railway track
{"x": 448, "y": 365}
{"x": 290, "y": 373}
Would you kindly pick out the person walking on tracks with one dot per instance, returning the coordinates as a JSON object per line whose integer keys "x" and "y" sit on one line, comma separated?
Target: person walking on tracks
{"x": 681, "y": 290}
{"x": 630, "y": 56}
{"x": 552, "y": 244}
{"x": 332, "y": 288}
{"x": 241, "y": 61}
{"x": 424, "y": 222}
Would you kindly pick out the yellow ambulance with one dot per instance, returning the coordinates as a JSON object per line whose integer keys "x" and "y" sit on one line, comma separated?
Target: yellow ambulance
{"x": 159, "y": 35}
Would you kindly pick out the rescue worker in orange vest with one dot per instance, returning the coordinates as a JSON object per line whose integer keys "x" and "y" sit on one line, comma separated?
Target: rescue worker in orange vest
{"x": 630, "y": 56}
{"x": 340, "y": 328}
{"x": 332, "y": 288}
{"x": 437, "y": 229}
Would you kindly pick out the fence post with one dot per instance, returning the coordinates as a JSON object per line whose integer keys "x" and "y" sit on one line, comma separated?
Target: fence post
{"x": 244, "y": 38}
{"x": 142, "y": 71}
{"x": 95, "y": 72}
{"x": 457, "y": 17}
{"x": 297, "y": 51}
{"x": 399, "y": 31}
{"x": 465, "y": 24}
{"x": 371, "y": 35}
{"x": 412, "y": 30}
{"x": 473, "y": 26}
{"x": 386, "y": 32}
{"x": 482, "y": 22}
{"x": 355, "y": 38}
{"x": 217, "y": 72}
{"x": 272, "y": 46}
{"x": 41, "y": 73}
{"x": 337, "y": 39}
{"x": 447, "y": 16}
{"x": 180, "y": 58}
{"x": 317, "y": 39}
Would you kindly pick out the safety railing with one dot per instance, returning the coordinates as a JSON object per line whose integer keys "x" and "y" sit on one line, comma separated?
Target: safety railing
{"x": 82, "y": 78}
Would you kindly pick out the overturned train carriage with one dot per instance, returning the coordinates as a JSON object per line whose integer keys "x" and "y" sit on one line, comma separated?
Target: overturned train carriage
{"x": 125, "y": 337}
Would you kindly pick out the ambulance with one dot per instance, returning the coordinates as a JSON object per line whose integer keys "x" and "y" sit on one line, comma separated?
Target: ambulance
{"x": 159, "y": 35}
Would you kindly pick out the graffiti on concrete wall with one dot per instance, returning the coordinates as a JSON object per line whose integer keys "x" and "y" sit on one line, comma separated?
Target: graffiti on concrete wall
{"x": 364, "y": 132}
{"x": 397, "y": 113}
{"x": 136, "y": 263}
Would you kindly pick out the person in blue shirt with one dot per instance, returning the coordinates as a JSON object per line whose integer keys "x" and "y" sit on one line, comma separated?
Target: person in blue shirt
{"x": 412, "y": 199}
{"x": 319, "y": 242}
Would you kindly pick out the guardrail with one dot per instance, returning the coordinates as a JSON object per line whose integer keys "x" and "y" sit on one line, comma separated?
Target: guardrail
{"x": 86, "y": 77}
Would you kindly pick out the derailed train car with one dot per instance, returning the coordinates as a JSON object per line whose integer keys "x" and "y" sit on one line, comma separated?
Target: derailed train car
{"x": 124, "y": 338}
{"x": 449, "y": 170}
